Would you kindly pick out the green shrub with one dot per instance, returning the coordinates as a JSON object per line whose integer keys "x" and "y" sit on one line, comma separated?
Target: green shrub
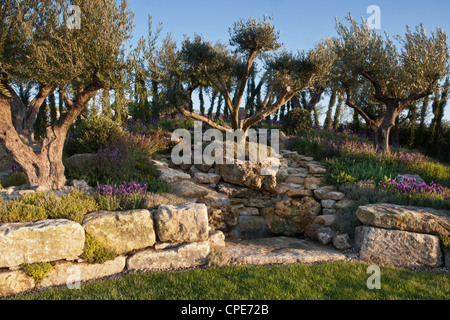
{"x": 343, "y": 170}
{"x": 37, "y": 270}
{"x": 95, "y": 133}
{"x": 445, "y": 243}
{"x": 40, "y": 206}
{"x": 95, "y": 252}
{"x": 297, "y": 122}
{"x": 15, "y": 179}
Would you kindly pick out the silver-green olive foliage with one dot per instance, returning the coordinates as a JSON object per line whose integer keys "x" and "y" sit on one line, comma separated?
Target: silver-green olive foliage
{"x": 228, "y": 70}
{"x": 414, "y": 69}
{"x": 37, "y": 46}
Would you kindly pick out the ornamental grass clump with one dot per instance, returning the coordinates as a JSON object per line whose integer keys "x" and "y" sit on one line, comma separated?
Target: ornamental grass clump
{"x": 124, "y": 196}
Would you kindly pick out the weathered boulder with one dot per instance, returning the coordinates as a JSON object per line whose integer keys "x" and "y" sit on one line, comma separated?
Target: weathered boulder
{"x": 246, "y": 211}
{"x": 296, "y": 178}
{"x": 326, "y": 219}
{"x": 182, "y": 256}
{"x": 69, "y": 272}
{"x": 255, "y": 176}
{"x": 206, "y": 178}
{"x": 334, "y": 195}
{"x": 314, "y": 183}
{"x": 292, "y": 216}
{"x": 299, "y": 193}
{"x": 170, "y": 175}
{"x": 216, "y": 239}
{"x": 321, "y": 192}
{"x": 182, "y": 223}
{"x": 121, "y": 232}
{"x": 15, "y": 282}
{"x": 316, "y": 168}
{"x": 342, "y": 242}
{"x": 328, "y": 204}
{"x": 414, "y": 219}
{"x": 234, "y": 191}
{"x": 188, "y": 189}
{"x": 397, "y": 248}
{"x": 280, "y": 250}
{"x": 40, "y": 241}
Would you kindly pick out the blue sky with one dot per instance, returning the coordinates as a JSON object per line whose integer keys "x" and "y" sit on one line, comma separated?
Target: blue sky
{"x": 301, "y": 23}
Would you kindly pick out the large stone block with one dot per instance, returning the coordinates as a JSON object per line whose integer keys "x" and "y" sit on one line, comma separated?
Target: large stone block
{"x": 70, "y": 272}
{"x": 183, "y": 256}
{"x": 398, "y": 248}
{"x": 414, "y": 219}
{"x": 292, "y": 216}
{"x": 182, "y": 223}
{"x": 121, "y": 232}
{"x": 15, "y": 282}
{"x": 40, "y": 241}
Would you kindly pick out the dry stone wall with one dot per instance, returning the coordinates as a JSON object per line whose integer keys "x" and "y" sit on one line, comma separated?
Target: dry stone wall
{"x": 175, "y": 236}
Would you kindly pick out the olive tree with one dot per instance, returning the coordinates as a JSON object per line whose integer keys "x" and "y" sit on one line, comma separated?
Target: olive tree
{"x": 397, "y": 77}
{"x": 37, "y": 46}
{"x": 201, "y": 63}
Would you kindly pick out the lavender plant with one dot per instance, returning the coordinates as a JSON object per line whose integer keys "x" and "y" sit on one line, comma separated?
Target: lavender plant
{"x": 124, "y": 196}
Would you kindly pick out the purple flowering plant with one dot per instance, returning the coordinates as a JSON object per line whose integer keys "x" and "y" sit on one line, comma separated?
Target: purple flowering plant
{"x": 411, "y": 188}
{"x": 122, "y": 196}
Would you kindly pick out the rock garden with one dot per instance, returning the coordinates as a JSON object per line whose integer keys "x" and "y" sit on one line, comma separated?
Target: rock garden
{"x": 195, "y": 215}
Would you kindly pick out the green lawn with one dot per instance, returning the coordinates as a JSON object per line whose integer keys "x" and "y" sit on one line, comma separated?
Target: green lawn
{"x": 294, "y": 282}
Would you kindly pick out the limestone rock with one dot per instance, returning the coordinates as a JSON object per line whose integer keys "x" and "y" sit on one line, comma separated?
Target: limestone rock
{"x": 182, "y": 223}
{"x": 312, "y": 231}
{"x": 414, "y": 219}
{"x": 298, "y": 178}
{"x": 398, "y": 248}
{"x": 328, "y": 211}
{"x": 280, "y": 250}
{"x": 206, "y": 178}
{"x": 248, "y": 211}
{"x": 15, "y": 282}
{"x": 187, "y": 189}
{"x": 216, "y": 239}
{"x": 326, "y": 220}
{"x": 255, "y": 176}
{"x": 171, "y": 176}
{"x": 62, "y": 272}
{"x": 234, "y": 191}
{"x": 322, "y": 191}
{"x": 40, "y": 241}
{"x": 183, "y": 256}
{"x": 292, "y": 216}
{"x": 316, "y": 169}
{"x": 342, "y": 242}
{"x": 299, "y": 193}
{"x": 334, "y": 195}
{"x": 328, "y": 204}
{"x": 324, "y": 238}
{"x": 314, "y": 183}
{"x": 121, "y": 232}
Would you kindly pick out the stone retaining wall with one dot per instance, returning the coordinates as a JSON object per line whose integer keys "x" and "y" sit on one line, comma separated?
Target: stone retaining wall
{"x": 402, "y": 236}
{"x": 169, "y": 237}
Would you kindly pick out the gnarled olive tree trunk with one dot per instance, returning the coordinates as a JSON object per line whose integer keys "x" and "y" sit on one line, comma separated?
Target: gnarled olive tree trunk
{"x": 43, "y": 168}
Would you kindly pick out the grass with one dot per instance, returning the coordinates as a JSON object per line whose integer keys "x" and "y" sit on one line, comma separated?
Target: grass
{"x": 332, "y": 281}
